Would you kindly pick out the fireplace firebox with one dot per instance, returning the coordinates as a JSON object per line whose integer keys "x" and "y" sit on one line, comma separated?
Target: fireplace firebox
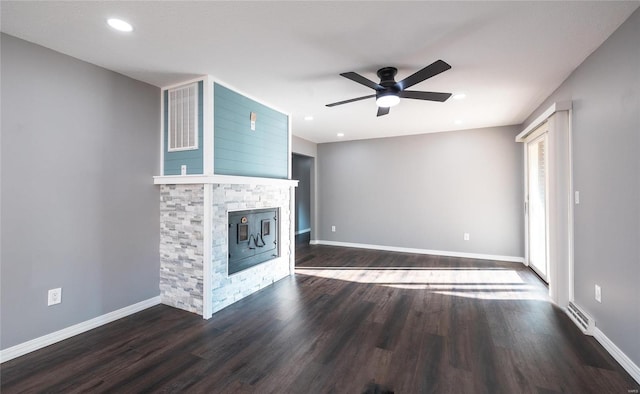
{"x": 253, "y": 238}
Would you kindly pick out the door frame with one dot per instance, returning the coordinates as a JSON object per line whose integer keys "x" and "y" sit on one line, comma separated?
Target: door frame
{"x": 560, "y": 199}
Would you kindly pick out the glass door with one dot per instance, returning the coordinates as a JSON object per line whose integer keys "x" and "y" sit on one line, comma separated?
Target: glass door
{"x": 537, "y": 205}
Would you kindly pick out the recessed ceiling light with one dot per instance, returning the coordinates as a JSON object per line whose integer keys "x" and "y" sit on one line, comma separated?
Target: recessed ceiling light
{"x": 459, "y": 96}
{"x": 458, "y": 121}
{"x": 340, "y": 134}
{"x": 120, "y": 25}
{"x": 308, "y": 117}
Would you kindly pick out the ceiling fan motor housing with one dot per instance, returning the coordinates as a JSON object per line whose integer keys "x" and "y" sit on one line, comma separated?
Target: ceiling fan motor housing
{"x": 387, "y": 81}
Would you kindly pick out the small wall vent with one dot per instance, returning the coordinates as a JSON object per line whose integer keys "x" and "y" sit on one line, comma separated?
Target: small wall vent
{"x": 581, "y": 319}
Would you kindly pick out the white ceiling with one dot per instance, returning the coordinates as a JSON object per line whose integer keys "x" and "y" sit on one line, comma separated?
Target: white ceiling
{"x": 506, "y": 56}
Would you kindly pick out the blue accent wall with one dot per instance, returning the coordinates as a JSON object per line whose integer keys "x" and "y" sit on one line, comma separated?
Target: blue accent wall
{"x": 238, "y": 150}
{"x": 191, "y": 158}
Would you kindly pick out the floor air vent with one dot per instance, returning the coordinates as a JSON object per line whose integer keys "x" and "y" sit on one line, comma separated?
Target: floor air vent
{"x": 582, "y": 320}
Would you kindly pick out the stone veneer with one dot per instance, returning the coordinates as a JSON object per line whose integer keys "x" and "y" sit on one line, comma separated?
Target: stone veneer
{"x": 182, "y": 243}
{"x": 229, "y": 289}
{"x": 181, "y": 246}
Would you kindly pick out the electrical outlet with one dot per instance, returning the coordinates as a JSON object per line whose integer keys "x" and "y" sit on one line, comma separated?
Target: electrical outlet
{"x": 333, "y": 229}
{"x": 598, "y": 294}
{"x": 466, "y": 236}
{"x": 54, "y": 296}
{"x": 183, "y": 169}
{"x": 577, "y": 197}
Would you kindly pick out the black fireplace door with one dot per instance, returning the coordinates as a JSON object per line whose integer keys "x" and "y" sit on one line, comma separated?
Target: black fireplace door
{"x": 253, "y": 238}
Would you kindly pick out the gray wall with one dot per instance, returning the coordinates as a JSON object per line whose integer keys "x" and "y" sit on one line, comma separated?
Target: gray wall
{"x": 605, "y": 91}
{"x": 309, "y": 149}
{"x": 79, "y": 210}
{"x": 304, "y": 147}
{"x": 301, "y": 170}
{"x": 425, "y": 191}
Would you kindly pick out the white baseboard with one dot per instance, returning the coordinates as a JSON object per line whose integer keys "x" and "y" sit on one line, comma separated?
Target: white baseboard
{"x": 49, "y": 339}
{"x": 306, "y": 230}
{"x": 515, "y": 259}
{"x": 618, "y": 354}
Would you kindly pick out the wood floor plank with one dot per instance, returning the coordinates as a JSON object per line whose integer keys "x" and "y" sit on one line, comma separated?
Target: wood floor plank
{"x": 396, "y": 319}
{"x": 349, "y": 321}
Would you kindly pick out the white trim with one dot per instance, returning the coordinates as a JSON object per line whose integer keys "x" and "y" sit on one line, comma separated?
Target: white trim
{"x": 571, "y": 208}
{"x": 221, "y": 179}
{"x": 617, "y": 354}
{"x": 515, "y": 259}
{"x": 57, "y": 336}
{"x": 292, "y": 227}
{"x": 306, "y": 230}
{"x": 537, "y": 132}
{"x": 207, "y": 126}
{"x": 207, "y": 258}
{"x": 559, "y": 209}
{"x": 183, "y": 149}
{"x": 555, "y": 107}
{"x": 525, "y": 176}
{"x": 289, "y": 148}
{"x": 162, "y": 131}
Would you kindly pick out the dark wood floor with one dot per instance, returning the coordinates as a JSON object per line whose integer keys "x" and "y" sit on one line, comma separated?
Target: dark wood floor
{"x": 350, "y": 321}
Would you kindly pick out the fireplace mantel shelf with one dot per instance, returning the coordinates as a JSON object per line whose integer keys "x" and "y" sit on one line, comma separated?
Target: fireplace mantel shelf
{"x": 221, "y": 179}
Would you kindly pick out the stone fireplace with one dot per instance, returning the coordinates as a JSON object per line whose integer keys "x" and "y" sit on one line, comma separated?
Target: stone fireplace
{"x": 194, "y": 238}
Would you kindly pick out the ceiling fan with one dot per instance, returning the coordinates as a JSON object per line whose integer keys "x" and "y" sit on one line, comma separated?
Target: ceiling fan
{"x": 389, "y": 92}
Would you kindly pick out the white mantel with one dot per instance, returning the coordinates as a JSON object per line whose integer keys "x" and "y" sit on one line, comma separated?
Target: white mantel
{"x": 221, "y": 179}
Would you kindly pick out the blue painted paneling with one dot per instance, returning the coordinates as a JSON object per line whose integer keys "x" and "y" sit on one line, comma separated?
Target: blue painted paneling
{"x": 240, "y": 151}
{"x": 191, "y": 158}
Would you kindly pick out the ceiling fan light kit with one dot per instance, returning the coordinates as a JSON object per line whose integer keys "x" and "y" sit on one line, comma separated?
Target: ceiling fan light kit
{"x": 387, "y": 100}
{"x": 389, "y": 92}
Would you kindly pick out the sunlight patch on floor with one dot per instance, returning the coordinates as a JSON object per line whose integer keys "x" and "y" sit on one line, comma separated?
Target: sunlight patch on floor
{"x": 479, "y": 283}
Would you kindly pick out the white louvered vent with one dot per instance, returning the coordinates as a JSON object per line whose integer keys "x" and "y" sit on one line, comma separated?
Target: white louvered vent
{"x": 183, "y": 118}
{"x": 581, "y": 319}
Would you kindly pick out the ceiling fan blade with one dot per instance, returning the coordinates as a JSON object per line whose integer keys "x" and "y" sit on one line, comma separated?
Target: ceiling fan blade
{"x": 431, "y": 70}
{"x": 355, "y": 77}
{"x": 431, "y": 96}
{"x": 383, "y": 111}
{"x": 351, "y": 100}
